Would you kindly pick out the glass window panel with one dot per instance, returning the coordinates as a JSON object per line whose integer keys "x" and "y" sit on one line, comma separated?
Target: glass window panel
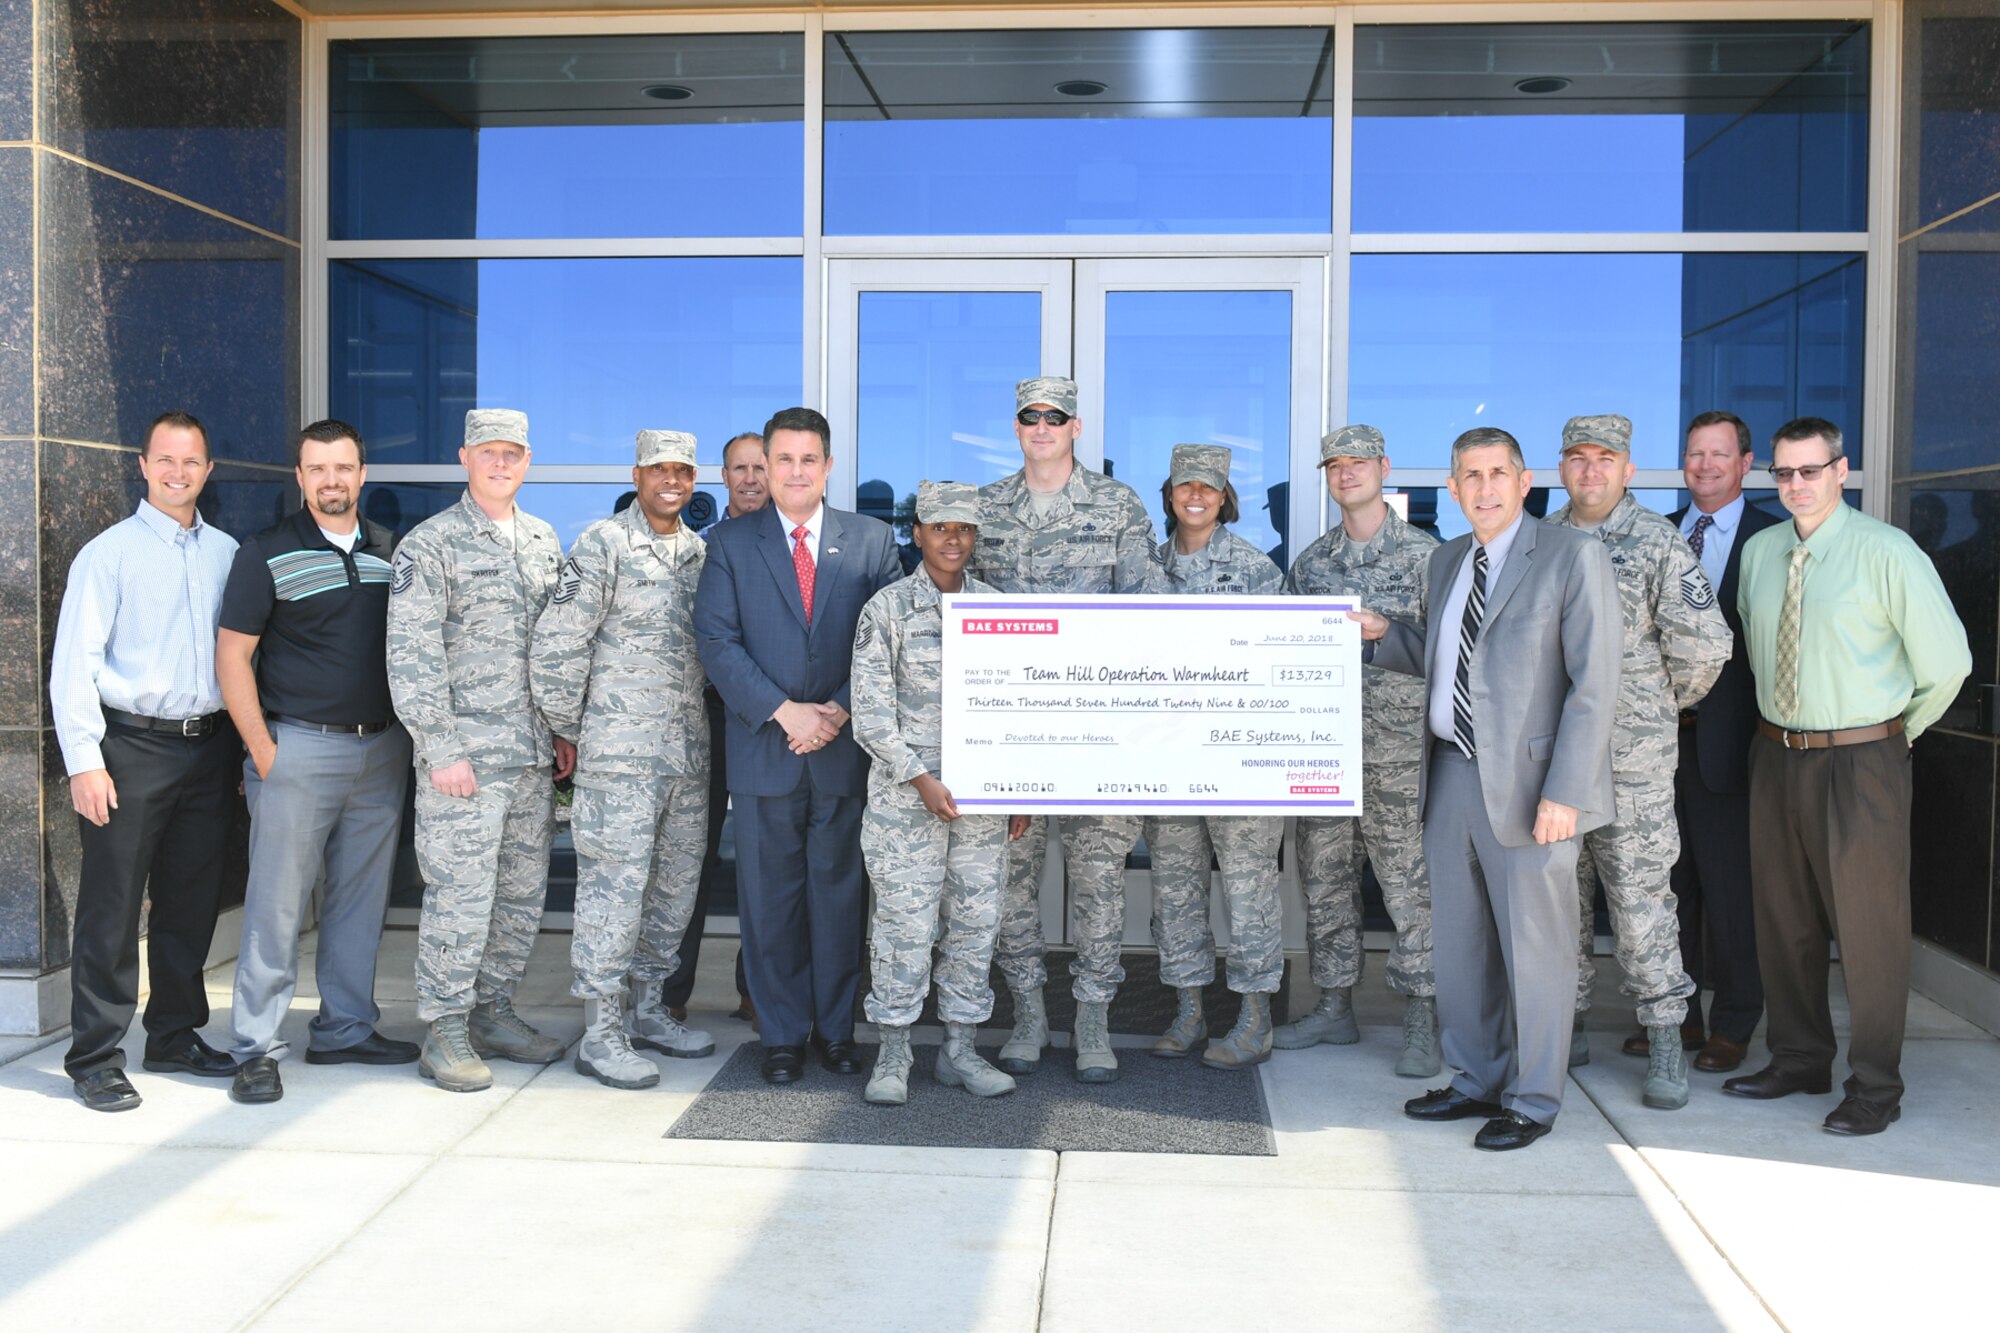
{"x": 1443, "y": 343}
{"x": 1955, "y": 394}
{"x": 559, "y": 136}
{"x": 1641, "y": 127}
{"x": 592, "y": 350}
{"x": 1201, "y": 368}
{"x": 937, "y": 372}
{"x": 1958, "y": 104}
{"x": 1193, "y": 131}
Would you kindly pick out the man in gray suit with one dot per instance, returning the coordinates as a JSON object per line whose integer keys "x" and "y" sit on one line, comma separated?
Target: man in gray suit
{"x": 1521, "y": 648}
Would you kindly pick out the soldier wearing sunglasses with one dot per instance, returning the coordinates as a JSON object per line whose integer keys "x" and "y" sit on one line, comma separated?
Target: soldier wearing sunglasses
{"x": 1058, "y": 527}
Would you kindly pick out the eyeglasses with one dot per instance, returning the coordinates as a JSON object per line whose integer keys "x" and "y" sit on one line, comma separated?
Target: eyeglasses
{"x": 1783, "y": 475}
{"x": 1055, "y": 416}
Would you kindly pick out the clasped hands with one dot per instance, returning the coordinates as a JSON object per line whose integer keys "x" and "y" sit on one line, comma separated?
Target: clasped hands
{"x": 809, "y": 727}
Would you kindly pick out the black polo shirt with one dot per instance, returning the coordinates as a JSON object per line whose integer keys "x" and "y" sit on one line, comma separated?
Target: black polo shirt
{"x": 322, "y": 619}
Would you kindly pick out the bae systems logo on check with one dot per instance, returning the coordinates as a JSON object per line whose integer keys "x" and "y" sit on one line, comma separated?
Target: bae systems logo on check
{"x": 1010, "y": 626}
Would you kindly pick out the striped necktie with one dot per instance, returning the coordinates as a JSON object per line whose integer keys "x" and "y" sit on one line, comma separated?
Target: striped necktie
{"x": 1468, "y": 635}
{"x": 1787, "y": 693}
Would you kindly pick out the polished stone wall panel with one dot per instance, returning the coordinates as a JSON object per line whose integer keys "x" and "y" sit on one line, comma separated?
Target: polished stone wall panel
{"x": 1951, "y": 842}
{"x": 1958, "y": 113}
{"x": 148, "y": 304}
{"x": 83, "y": 492}
{"x": 61, "y": 853}
{"x": 1957, "y": 523}
{"x": 21, "y": 850}
{"x": 197, "y": 97}
{"x": 17, "y": 69}
{"x": 17, "y": 290}
{"x": 20, "y": 604}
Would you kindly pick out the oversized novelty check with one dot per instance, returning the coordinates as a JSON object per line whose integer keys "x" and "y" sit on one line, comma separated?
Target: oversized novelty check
{"x": 1152, "y": 705}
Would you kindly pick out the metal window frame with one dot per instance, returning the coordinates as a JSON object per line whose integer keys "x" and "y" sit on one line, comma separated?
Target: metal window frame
{"x": 1337, "y": 245}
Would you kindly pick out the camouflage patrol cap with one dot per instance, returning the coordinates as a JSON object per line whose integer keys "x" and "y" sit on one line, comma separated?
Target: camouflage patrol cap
{"x": 665, "y": 446}
{"x": 1608, "y": 429}
{"x": 948, "y": 502}
{"x": 1205, "y": 463}
{"x": 483, "y": 424}
{"x": 1051, "y": 389}
{"x": 1352, "y": 442}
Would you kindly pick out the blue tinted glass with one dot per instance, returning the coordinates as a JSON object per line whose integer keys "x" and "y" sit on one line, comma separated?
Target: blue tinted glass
{"x": 1443, "y": 343}
{"x": 1955, "y": 394}
{"x": 1188, "y": 131}
{"x": 936, "y": 395}
{"x": 593, "y": 350}
{"x": 1201, "y": 368}
{"x": 1611, "y": 127}
{"x": 1957, "y": 158}
{"x": 533, "y": 136}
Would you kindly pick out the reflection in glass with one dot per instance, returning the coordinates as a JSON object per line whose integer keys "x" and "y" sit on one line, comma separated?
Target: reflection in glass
{"x": 1957, "y": 523}
{"x": 936, "y": 395}
{"x": 567, "y": 136}
{"x": 592, "y": 350}
{"x": 1201, "y": 368}
{"x": 1955, "y": 393}
{"x": 1611, "y": 127}
{"x": 1190, "y": 131}
{"x": 1443, "y": 343}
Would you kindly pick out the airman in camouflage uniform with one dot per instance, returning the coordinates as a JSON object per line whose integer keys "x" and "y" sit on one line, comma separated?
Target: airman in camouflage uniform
{"x": 930, "y": 865}
{"x": 464, "y": 594}
{"x": 1200, "y": 502}
{"x": 1058, "y": 527}
{"x": 1676, "y": 643}
{"x": 614, "y": 671}
{"x": 1378, "y": 558}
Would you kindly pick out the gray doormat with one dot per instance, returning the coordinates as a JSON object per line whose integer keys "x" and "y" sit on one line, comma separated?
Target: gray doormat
{"x": 1167, "y": 1106}
{"x": 1143, "y": 1006}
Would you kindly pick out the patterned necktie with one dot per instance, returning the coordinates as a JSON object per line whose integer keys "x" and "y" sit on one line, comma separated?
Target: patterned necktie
{"x": 802, "y": 562}
{"x": 1699, "y": 537}
{"x": 1468, "y": 634}
{"x": 1787, "y": 693}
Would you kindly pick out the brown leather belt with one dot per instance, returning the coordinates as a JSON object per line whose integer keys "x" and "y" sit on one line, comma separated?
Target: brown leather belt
{"x": 1826, "y": 740}
{"x": 1687, "y": 717}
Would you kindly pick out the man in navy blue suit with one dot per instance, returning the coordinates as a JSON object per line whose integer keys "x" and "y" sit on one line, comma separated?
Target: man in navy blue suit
{"x": 774, "y": 621}
{"x": 1712, "y": 786}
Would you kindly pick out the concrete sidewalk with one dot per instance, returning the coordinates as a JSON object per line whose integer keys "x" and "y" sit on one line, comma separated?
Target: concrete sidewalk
{"x": 369, "y": 1199}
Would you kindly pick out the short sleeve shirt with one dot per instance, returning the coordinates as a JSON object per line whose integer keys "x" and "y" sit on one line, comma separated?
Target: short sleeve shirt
{"x": 321, "y": 617}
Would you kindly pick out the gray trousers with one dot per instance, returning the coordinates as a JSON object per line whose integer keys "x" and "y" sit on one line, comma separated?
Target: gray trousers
{"x": 1503, "y": 923}
{"x": 332, "y": 808}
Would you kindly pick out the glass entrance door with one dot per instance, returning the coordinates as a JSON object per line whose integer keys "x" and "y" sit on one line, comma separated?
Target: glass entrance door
{"x": 923, "y": 356}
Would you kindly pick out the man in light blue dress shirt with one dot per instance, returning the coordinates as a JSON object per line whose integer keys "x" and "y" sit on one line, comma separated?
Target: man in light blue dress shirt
{"x": 151, "y": 758}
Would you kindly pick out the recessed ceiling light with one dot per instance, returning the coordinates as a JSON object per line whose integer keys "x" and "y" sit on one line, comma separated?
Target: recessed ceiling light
{"x": 1549, "y": 83}
{"x": 1080, "y": 88}
{"x": 668, "y": 92}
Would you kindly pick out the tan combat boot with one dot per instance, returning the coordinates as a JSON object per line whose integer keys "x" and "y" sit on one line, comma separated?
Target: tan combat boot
{"x": 448, "y": 1058}
{"x": 1249, "y": 1042}
{"x": 1023, "y": 1052}
{"x": 606, "y": 1053}
{"x": 889, "y": 1084}
{"x": 1420, "y": 1057}
{"x": 959, "y": 1066}
{"x": 1188, "y": 1030}
{"x": 1094, "y": 1061}
{"x": 1331, "y": 1021}
{"x": 497, "y": 1030}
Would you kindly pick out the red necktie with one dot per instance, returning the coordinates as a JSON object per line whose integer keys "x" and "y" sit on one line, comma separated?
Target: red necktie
{"x": 802, "y": 561}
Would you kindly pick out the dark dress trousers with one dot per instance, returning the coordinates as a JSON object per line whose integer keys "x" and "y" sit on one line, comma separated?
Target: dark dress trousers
{"x": 800, "y": 883}
{"x": 1711, "y": 880}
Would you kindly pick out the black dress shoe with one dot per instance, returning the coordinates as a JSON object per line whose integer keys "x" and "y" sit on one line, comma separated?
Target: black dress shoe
{"x": 1506, "y": 1132}
{"x": 1448, "y": 1104}
{"x": 107, "y": 1090}
{"x": 784, "y": 1064}
{"x": 1857, "y": 1116}
{"x": 190, "y": 1056}
{"x": 257, "y": 1081}
{"x": 373, "y": 1049}
{"x": 838, "y": 1056}
{"x": 1771, "y": 1082}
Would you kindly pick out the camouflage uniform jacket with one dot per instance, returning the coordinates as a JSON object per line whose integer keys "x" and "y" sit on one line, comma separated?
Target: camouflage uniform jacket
{"x": 897, "y": 678}
{"x": 1676, "y": 641}
{"x": 614, "y": 666}
{"x": 462, "y": 610}
{"x": 1096, "y": 539}
{"x": 1226, "y": 564}
{"x": 1389, "y": 575}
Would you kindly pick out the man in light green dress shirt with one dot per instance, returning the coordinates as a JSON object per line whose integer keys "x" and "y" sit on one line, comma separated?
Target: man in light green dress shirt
{"x": 1856, "y": 650}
